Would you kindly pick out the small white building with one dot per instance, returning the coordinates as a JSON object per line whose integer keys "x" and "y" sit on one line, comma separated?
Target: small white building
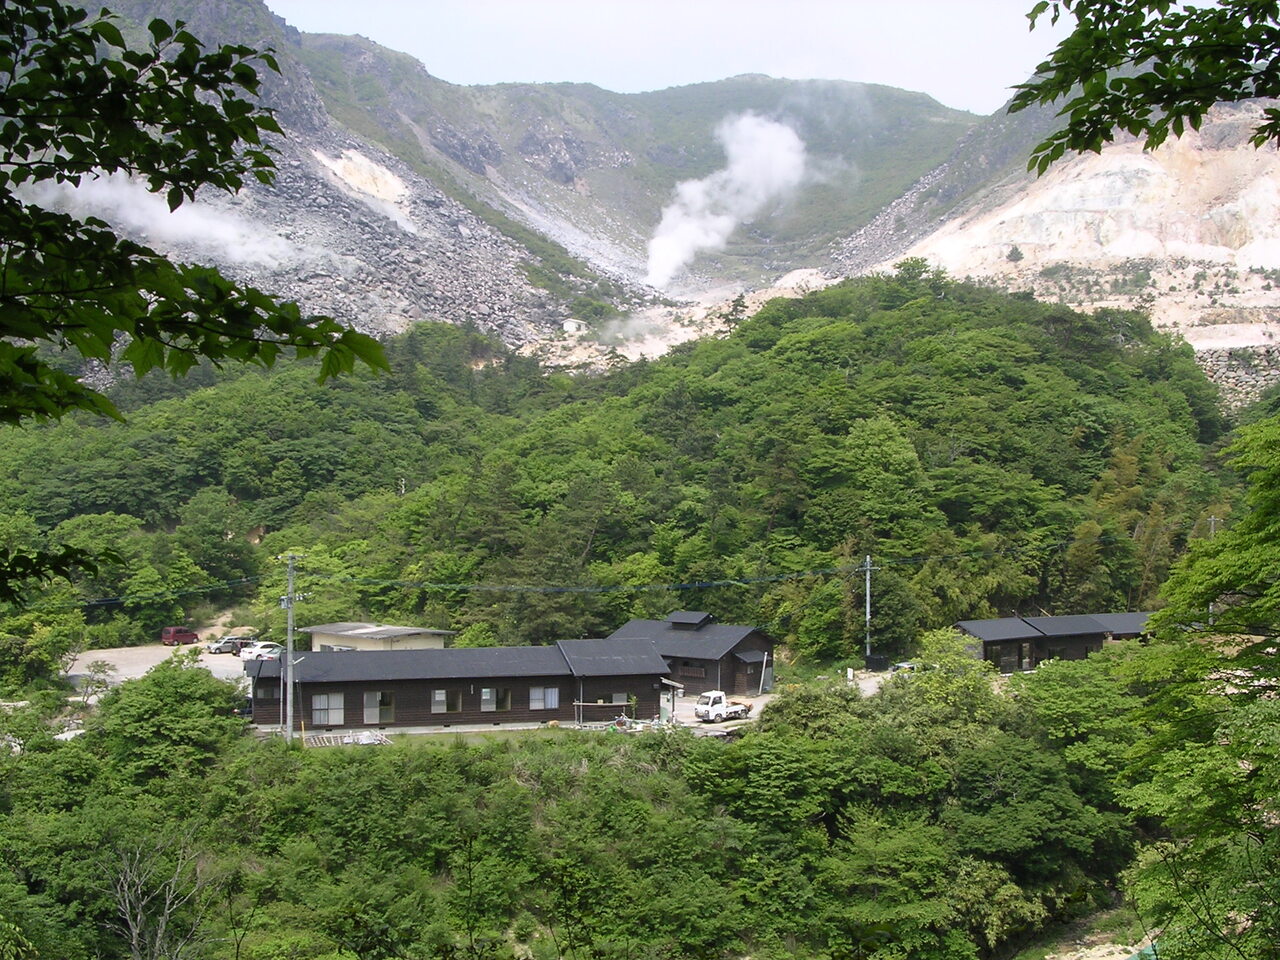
{"x": 375, "y": 636}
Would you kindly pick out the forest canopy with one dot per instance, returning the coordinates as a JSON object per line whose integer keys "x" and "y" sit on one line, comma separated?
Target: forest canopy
{"x": 991, "y": 453}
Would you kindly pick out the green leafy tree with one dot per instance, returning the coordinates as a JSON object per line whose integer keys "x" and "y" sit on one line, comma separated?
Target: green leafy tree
{"x": 168, "y": 723}
{"x": 1151, "y": 68}
{"x": 79, "y": 103}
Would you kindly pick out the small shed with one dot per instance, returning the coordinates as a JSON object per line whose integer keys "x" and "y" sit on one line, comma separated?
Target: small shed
{"x": 375, "y": 636}
{"x": 702, "y": 654}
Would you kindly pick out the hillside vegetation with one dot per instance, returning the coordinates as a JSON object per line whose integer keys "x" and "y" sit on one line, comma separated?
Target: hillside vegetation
{"x": 938, "y": 820}
{"x": 992, "y": 454}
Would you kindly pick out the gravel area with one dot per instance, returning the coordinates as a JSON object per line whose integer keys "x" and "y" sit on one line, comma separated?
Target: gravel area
{"x": 133, "y": 662}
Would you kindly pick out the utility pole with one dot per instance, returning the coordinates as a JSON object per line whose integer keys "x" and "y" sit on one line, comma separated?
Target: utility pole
{"x": 867, "y": 567}
{"x": 1213, "y": 532}
{"x": 287, "y": 672}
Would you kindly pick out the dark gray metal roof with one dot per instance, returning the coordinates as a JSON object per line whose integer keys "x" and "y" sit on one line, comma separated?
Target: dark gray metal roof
{"x": 1077, "y": 625}
{"x": 1005, "y": 628}
{"x": 337, "y": 666}
{"x": 708, "y": 642}
{"x": 750, "y": 656}
{"x": 689, "y": 618}
{"x": 1123, "y": 624}
{"x": 611, "y": 658}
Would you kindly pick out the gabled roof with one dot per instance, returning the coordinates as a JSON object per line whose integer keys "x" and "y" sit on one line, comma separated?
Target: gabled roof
{"x": 338, "y": 666}
{"x": 711, "y": 641}
{"x": 1075, "y": 625}
{"x": 1005, "y": 628}
{"x": 577, "y": 658}
{"x": 1072, "y": 626}
{"x": 611, "y": 658}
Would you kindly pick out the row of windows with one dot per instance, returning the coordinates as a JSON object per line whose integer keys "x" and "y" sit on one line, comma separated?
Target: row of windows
{"x": 327, "y": 709}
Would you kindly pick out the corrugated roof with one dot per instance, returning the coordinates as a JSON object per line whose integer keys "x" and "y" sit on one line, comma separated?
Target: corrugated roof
{"x": 611, "y": 658}
{"x": 709, "y": 642}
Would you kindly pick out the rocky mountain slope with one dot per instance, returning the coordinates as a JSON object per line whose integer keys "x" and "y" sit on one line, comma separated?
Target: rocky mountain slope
{"x": 528, "y": 210}
{"x": 1189, "y": 232}
{"x": 514, "y": 207}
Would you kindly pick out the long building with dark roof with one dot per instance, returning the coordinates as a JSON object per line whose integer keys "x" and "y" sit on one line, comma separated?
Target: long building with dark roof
{"x": 574, "y": 680}
{"x": 1022, "y": 643}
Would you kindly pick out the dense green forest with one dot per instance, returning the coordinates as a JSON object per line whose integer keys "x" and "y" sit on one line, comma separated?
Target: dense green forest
{"x": 942, "y": 818}
{"x": 992, "y": 454}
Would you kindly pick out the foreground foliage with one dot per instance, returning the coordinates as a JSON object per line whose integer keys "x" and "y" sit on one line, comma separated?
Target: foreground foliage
{"x": 938, "y": 819}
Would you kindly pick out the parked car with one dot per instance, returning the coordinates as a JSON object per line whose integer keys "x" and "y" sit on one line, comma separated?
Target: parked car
{"x": 172, "y": 636}
{"x": 232, "y": 643}
{"x": 261, "y": 650}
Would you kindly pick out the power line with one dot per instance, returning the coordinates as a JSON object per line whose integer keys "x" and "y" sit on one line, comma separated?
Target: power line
{"x": 727, "y": 582}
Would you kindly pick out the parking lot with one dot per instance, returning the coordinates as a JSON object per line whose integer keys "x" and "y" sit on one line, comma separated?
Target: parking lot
{"x": 132, "y": 662}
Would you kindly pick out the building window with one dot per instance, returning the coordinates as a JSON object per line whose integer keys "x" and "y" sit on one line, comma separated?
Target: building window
{"x": 621, "y": 698}
{"x": 495, "y": 699}
{"x": 379, "y": 706}
{"x": 446, "y": 701}
{"x": 267, "y": 690}
{"x": 689, "y": 670}
{"x": 326, "y": 709}
{"x": 544, "y": 698}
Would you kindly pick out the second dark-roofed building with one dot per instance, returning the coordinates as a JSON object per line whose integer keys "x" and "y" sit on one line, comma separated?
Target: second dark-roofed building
{"x": 1022, "y": 643}
{"x": 705, "y": 655}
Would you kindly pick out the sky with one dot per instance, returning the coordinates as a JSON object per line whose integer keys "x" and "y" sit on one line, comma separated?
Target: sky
{"x": 964, "y": 53}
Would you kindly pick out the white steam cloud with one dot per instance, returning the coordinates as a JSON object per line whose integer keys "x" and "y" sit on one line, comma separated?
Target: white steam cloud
{"x": 766, "y": 160}
{"x": 129, "y": 205}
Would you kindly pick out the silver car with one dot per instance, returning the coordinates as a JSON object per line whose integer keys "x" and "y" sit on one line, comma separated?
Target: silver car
{"x": 232, "y": 643}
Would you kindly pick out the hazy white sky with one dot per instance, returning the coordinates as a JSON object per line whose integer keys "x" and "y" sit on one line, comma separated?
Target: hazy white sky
{"x": 964, "y": 53}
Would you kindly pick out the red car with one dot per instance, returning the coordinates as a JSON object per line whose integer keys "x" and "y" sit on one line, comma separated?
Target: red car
{"x": 172, "y": 636}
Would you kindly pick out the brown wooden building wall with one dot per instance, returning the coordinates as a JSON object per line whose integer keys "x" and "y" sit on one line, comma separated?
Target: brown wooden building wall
{"x": 412, "y": 701}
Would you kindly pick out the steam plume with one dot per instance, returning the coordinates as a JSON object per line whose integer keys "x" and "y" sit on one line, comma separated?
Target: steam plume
{"x": 128, "y": 205}
{"x": 766, "y": 159}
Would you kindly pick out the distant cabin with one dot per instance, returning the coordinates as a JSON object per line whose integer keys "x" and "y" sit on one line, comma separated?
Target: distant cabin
{"x": 1014, "y": 644}
{"x": 705, "y": 655}
{"x": 375, "y": 636}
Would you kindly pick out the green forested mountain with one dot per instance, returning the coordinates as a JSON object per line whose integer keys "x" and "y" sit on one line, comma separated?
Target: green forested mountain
{"x": 992, "y": 455}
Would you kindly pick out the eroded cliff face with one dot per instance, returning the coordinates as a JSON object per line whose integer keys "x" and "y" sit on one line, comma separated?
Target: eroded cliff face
{"x": 1190, "y": 232}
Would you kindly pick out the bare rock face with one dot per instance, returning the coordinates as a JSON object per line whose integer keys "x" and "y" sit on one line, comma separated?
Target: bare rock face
{"x": 1189, "y": 233}
{"x": 348, "y": 232}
